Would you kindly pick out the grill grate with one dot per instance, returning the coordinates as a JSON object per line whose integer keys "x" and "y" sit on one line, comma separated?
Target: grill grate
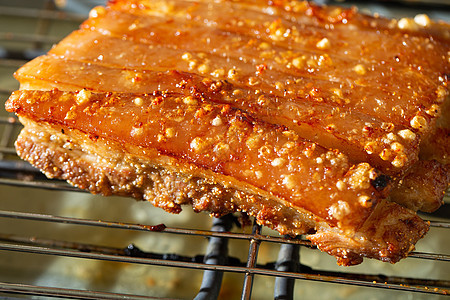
{"x": 219, "y": 256}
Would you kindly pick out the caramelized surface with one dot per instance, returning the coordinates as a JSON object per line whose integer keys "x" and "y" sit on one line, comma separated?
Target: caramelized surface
{"x": 219, "y": 138}
{"x": 333, "y": 127}
{"x": 239, "y": 105}
{"x": 334, "y": 76}
{"x": 105, "y": 166}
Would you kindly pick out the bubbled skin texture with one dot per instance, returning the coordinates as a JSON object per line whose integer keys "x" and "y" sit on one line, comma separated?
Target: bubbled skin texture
{"x": 279, "y": 109}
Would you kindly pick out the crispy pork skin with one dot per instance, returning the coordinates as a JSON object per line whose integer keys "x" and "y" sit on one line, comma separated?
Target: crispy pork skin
{"x": 218, "y": 159}
{"x": 312, "y": 119}
{"x": 390, "y": 225}
{"x": 219, "y": 138}
{"x": 303, "y": 66}
{"x": 315, "y": 70}
{"x": 110, "y": 168}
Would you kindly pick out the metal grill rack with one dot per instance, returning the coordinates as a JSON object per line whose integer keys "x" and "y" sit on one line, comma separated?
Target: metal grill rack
{"x": 260, "y": 265}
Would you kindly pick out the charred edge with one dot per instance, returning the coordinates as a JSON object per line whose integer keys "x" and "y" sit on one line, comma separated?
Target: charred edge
{"x": 381, "y": 182}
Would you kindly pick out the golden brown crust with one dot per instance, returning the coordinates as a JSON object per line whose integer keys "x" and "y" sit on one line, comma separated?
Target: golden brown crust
{"x": 381, "y": 237}
{"x": 389, "y": 234}
{"x": 226, "y": 141}
{"x": 236, "y": 105}
{"x": 318, "y": 75}
{"x": 74, "y": 157}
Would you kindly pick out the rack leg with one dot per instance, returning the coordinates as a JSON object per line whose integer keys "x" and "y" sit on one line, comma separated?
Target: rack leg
{"x": 288, "y": 261}
{"x": 216, "y": 254}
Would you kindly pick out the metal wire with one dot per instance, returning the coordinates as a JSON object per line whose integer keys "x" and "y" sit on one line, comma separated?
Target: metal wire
{"x": 433, "y": 287}
{"x": 215, "y": 261}
{"x": 249, "y": 268}
{"x": 33, "y": 290}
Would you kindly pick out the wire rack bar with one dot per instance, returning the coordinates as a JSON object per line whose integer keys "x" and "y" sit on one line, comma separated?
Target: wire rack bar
{"x": 8, "y": 120}
{"x": 7, "y": 150}
{"x": 251, "y": 271}
{"x": 251, "y": 262}
{"x": 193, "y": 232}
{"x": 16, "y": 63}
{"x": 56, "y": 186}
{"x": 431, "y": 256}
{"x": 133, "y": 251}
{"x": 28, "y": 38}
{"x": 5, "y": 91}
{"x": 34, "y": 13}
{"x": 440, "y": 224}
{"x": 153, "y": 228}
{"x": 24, "y": 289}
{"x": 442, "y": 4}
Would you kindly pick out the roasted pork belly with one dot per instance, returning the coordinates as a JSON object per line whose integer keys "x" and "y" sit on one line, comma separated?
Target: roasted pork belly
{"x": 219, "y": 138}
{"x": 311, "y": 119}
{"x": 179, "y": 151}
{"x": 313, "y": 73}
{"x": 345, "y": 95}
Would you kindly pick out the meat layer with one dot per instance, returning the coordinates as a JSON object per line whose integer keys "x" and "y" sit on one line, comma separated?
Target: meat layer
{"x": 107, "y": 167}
{"x": 219, "y": 138}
